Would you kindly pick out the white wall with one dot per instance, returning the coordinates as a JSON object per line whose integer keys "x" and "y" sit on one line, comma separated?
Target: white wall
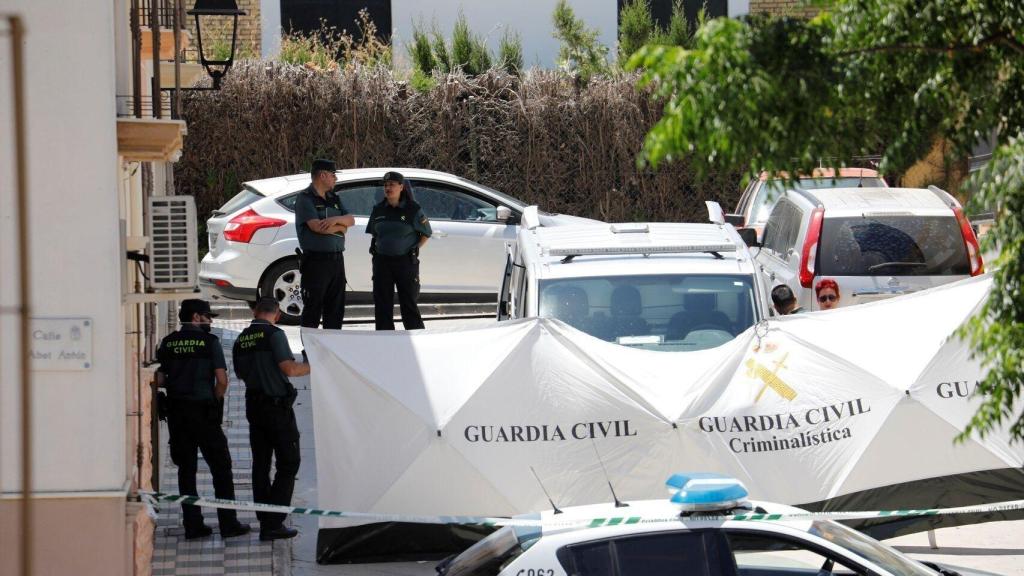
{"x": 79, "y": 417}
{"x": 738, "y": 8}
{"x": 270, "y": 28}
{"x": 530, "y": 18}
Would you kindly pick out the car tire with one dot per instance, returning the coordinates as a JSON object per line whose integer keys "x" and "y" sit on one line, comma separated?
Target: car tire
{"x": 283, "y": 282}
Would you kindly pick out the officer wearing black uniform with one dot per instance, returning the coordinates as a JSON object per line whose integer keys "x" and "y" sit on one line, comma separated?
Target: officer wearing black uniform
{"x": 321, "y": 221}
{"x": 264, "y": 361}
{"x": 193, "y": 370}
{"x": 399, "y": 230}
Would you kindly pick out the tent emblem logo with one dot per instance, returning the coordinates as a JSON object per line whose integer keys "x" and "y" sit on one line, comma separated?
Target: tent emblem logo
{"x": 770, "y": 378}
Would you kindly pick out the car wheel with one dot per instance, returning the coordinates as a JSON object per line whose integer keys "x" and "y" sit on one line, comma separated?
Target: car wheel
{"x": 283, "y": 282}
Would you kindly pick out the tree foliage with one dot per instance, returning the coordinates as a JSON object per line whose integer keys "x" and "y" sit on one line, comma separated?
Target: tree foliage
{"x": 863, "y": 77}
{"x": 579, "y": 51}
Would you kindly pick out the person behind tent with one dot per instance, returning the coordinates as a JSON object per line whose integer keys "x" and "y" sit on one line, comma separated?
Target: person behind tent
{"x": 193, "y": 370}
{"x": 785, "y": 301}
{"x": 827, "y": 293}
{"x": 264, "y": 361}
{"x": 399, "y": 230}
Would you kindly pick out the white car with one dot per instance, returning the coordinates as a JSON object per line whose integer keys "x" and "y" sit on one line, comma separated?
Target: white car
{"x": 875, "y": 243}
{"x": 660, "y": 286}
{"x": 252, "y": 238}
{"x": 669, "y": 538}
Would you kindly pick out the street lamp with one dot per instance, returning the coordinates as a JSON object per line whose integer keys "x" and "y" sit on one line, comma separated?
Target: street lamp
{"x": 216, "y": 8}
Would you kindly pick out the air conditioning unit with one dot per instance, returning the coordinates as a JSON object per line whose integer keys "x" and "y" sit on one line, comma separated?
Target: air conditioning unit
{"x": 173, "y": 255}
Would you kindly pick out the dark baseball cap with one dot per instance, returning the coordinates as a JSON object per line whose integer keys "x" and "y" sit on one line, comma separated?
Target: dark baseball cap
{"x": 194, "y": 306}
{"x": 323, "y": 164}
{"x": 393, "y": 176}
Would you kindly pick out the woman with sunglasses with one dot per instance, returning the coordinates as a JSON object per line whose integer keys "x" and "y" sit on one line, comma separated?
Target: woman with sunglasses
{"x": 827, "y": 293}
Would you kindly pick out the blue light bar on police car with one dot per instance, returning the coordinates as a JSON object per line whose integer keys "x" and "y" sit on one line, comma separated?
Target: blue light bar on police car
{"x": 705, "y": 491}
{"x": 641, "y": 249}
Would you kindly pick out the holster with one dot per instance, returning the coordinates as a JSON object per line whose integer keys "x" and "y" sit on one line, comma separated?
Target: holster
{"x": 162, "y": 407}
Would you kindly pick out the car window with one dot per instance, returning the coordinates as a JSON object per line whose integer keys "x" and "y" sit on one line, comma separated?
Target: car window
{"x": 288, "y": 202}
{"x": 893, "y": 246}
{"x": 441, "y": 202}
{"x": 659, "y": 554}
{"x": 666, "y": 312}
{"x": 765, "y": 553}
{"x": 777, "y": 230}
{"x": 359, "y": 199}
{"x": 238, "y": 201}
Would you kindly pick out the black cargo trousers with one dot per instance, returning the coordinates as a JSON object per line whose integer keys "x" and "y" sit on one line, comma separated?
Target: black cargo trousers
{"x": 401, "y": 273}
{"x": 323, "y": 289}
{"x": 273, "y": 434}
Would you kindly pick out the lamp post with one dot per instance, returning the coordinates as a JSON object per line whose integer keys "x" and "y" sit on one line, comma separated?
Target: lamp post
{"x": 216, "y": 8}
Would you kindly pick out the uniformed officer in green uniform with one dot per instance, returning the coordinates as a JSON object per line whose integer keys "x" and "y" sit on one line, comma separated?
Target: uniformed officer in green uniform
{"x": 264, "y": 361}
{"x": 193, "y": 371}
{"x": 399, "y": 230}
{"x": 320, "y": 222}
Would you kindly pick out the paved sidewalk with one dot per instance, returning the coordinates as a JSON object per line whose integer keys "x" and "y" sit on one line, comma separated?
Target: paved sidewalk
{"x": 172, "y": 554}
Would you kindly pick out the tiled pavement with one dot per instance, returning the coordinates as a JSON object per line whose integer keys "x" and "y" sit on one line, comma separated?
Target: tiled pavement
{"x": 173, "y": 555}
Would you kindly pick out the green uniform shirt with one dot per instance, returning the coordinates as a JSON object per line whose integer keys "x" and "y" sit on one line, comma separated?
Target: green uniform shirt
{"x": 257, "y": 352}
{"x": 396, "y": 230}
{"x": 309, "y": 206}
{"x": 188, "y": 359}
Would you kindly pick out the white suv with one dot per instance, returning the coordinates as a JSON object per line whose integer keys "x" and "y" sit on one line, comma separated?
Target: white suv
{"x": 874, "y": 243}
{"x": 252, "y": 238}
{"x": 659, "y": 286}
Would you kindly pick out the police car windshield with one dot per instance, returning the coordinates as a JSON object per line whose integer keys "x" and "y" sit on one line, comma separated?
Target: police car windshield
{"x": 666, "y": 312}
{"x": 869, "y": 549}
{"x": 488, "y": 556}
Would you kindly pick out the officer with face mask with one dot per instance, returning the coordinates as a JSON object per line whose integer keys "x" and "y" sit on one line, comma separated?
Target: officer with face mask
{"x": 193, "y": 370}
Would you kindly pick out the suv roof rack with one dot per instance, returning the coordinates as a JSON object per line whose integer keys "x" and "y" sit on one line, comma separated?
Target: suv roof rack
{"x": 645, "y": 249}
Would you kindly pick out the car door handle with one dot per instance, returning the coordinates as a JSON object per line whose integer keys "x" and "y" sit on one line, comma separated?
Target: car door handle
{"x": 440, "y": 234}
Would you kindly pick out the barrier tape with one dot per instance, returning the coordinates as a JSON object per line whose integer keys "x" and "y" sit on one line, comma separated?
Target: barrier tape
{"x": 152, "y": 498}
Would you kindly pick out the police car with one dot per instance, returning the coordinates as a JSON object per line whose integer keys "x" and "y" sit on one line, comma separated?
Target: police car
{"x": 685, "y": 535}
{"x": 675, "y": 287}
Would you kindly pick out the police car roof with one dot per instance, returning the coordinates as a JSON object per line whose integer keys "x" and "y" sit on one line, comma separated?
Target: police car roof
{"x": 634, "y": 249}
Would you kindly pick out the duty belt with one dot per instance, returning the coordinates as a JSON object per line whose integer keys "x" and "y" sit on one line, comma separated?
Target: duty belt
{"x": 310, "y": 255}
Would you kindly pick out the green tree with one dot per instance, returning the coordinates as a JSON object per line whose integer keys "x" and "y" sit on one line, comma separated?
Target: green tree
{"x": 636, "y": 27}
{"x": 865, "y": 76}
{"x": 510, "y": 52}
{"x": 580, "y": 51}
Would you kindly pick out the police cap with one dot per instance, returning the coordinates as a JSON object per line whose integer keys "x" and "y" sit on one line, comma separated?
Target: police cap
{"x": 194, "y": 306}
{"x": 322, "y": 164}
{"x": 393, "y": 176}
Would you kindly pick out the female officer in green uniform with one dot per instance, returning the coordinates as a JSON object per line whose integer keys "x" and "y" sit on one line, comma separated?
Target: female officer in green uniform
{"x": 399, "y": 229}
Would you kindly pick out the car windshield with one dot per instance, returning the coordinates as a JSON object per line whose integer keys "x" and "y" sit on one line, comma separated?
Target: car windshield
{"x": 869, "y": 549}
{"x": 892, "y": 246}
{"x": 488, "y": 556}
{"x": 772, "y": 190}
{"x": 668, "y": 312}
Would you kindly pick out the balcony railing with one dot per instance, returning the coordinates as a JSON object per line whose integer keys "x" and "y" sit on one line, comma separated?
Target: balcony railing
{"x": 166, "y": 10}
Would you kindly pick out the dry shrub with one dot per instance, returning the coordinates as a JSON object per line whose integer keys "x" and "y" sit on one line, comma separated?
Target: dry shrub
{"x": 542, "y": 137}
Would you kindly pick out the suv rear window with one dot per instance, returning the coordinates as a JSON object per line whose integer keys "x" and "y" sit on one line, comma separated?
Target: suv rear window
{"x": 238, "y": 201}
{"x": 900, "y": 245}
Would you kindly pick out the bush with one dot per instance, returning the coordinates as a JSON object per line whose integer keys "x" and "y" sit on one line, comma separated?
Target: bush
{"x": 511, "y": 52}
{"x": 636, "y": 27}
{"x": 580, "y": 53}
{"x": 540, "y": 137}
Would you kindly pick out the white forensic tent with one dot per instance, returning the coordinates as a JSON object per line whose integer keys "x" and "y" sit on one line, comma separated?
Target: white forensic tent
{"x": 803, "y": 409}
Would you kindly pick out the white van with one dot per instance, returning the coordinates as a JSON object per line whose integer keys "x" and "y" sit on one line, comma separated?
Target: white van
{"x": 660, "y": 286}
{"x": 875, "y": 243}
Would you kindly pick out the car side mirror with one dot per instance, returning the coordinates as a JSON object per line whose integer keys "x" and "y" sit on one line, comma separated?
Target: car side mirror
{"x": 736, "y": 220}
{"x": 503, "y": 214}
{"x": 749, "y": 236}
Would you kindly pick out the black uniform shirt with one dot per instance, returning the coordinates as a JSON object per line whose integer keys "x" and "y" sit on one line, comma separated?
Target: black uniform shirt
{"x": 397, "y": 229}
{"x": 308, "y": 206}
{"x": 257, "y": 352}
{"x": 188, "y": 359}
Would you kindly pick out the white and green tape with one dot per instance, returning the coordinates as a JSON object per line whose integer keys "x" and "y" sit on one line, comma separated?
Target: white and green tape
{"x": 153, "y": 498}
